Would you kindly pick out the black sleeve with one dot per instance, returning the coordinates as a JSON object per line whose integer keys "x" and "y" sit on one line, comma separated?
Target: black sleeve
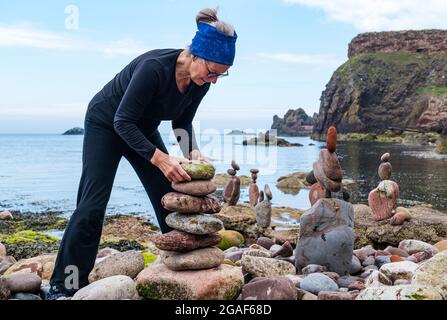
{"x": 183, "y": 128}
{"x": 139, "y": 93}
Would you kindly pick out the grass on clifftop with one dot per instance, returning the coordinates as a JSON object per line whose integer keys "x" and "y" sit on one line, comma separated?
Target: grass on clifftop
{"x": 434, "y": 91}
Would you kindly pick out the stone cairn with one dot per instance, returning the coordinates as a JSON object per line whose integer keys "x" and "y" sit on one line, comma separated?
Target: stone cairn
{"x": 232, "y": 189}
{"x": 264, "y": 208}
{"x": 326, "y": 233}
{"x": 253, "y": 190}
{"x": 383, "y": 199}
{"x": 190, "y": 245}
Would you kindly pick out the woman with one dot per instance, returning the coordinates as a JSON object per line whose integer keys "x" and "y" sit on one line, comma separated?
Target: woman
{"x": 122, "y": 121}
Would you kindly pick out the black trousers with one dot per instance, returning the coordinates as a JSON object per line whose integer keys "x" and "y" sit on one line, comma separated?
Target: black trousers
{"x": 102, "y": 152}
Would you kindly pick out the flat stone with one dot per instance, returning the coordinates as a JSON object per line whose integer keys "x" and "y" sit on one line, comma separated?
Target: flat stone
{"x": 199, "y": 224}
{"x": 128, "y": 263}
{"x": 206, "y": 258}
{"x": 317, "y": 282}
{"x": 23, "y": 282}
{"x": 184, "y": 203}
{"x": 266, "y": 267}
{"x": 401, "y": 292}
{"x": 331, "y": 165}
{"x": 414, "y": 246}
{"x": 43, "y": 266}
{"x": 181, "y": 241}
{"x": 199, "y": 170}
{"x": 399, "y": 270}
{"x": 112, "y": 288}
{"x": 328, "y": 184}
{"x": 195, "y": 188}
{"x": 272, "y": 288}
{"x": 432, "y": 273}
{"x": 158, "y": 282}
{"x": 397, "y": 251}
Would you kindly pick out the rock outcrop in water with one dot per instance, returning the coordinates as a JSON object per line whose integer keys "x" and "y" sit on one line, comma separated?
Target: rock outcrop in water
{"x": 74, "y": 131}
{"x": 294, "y": 123}
{"x": 392, "y": 79}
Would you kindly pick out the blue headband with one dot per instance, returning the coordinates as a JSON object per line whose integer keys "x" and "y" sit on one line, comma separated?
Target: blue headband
{"x": 212, "y": 45}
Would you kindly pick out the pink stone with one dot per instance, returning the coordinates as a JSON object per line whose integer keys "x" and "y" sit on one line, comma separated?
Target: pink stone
{"x": 316, "y": 192}
{"x": 333, "y": 186}
{"x": 331, "y": 165}
{"x": 383, "y": 200}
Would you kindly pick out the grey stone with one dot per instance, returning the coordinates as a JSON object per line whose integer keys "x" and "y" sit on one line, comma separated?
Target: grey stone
{"x": 23, "y": 282}
{"x": 265, "y": 242}
{"x": 381, "y": 260}
{"x": 26, "y": 296}
{"x": 266, "y": 267}
{"x": 206, "y": 258}
{"x": 327, "y": 236}
{"x": 112, "y": 288}
{"x": 194, "y": 223}
{"x": 129, "y": 263}
{"x": 317, "y": 282}
{"x": 369, "y": 261}
{"x": 313, "y": 268}
{"x": 356, "y": 266}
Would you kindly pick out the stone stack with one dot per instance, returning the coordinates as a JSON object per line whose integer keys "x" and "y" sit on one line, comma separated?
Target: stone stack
{"x": 326, "y": 176}
{"x": 264, "y": 208}
{"x": 253, "y": 190}
{"x": 190, "y": 245}
{"x": 326, "y": 235}
{"x": 232, "y": 189}
{"x": 383, "y": 199}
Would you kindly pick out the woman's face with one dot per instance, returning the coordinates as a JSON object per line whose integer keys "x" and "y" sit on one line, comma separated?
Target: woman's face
{"x": 203, "y": 71}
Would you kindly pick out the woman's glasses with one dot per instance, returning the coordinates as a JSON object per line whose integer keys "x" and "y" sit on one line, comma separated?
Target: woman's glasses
{"x": 215, "y": 74}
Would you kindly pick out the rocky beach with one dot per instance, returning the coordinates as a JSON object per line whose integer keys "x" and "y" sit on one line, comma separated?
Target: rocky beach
{"x": 221, "y": 249}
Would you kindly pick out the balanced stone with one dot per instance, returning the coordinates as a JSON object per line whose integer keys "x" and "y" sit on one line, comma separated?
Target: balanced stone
{"x": 206, "y": 258}
{"x": 316, "y": 193}
{"x": 184, "y": 203}
{"x": 331, "y": 139}
{"x": 327, "y": 236}
{"x": 328, "y": 184}
{"x": 181, "y": 241}
{"x": 264, "y": 209}
{"x": 331, "y": 165}
{"x": 199, "y": 224}
{"x": 199, "y": 170}
{"x": 385, "y": 170}
{"x": 383, "y": 200}
{"x": 195, "y": 188}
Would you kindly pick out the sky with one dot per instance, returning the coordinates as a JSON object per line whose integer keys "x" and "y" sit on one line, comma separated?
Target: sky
{"x": 56, "y": 55}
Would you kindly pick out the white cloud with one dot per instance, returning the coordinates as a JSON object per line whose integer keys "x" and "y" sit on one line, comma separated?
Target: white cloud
{"x": 298, "y": 58}
{"x": 381, "y": 15}
{"x": 29, "y": 37}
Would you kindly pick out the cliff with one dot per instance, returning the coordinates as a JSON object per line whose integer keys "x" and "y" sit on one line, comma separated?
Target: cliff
{"x": 391, "y": 80}
{"x": 294, "y": 123}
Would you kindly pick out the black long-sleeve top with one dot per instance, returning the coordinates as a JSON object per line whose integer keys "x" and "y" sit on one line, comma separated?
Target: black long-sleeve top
{"x": 142, "y": 95}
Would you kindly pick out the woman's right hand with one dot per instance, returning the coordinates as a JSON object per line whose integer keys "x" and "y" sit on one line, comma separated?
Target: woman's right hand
{"x": 170, "y": 166}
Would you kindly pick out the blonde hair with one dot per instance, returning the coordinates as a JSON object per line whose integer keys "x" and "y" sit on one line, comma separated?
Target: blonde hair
{"x": 209, "y": 15}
